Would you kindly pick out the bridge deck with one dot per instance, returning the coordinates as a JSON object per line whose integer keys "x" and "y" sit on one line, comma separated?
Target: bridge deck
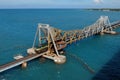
{"x": 115, "y": 24}
{"x": 33, "y": 56}
{"x": 19, "y": 61}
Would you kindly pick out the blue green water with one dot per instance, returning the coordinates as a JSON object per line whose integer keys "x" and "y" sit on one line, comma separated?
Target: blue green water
{"x": 17, "y": 29}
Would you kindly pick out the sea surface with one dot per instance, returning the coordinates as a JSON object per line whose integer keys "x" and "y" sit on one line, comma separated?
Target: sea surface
{"x": 101, "y": 53}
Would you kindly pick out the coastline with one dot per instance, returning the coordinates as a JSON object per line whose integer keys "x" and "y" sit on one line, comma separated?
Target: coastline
{"x": 104, "y": 9}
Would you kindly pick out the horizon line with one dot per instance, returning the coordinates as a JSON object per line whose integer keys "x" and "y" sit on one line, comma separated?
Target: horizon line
{"x": 61, "y": 8}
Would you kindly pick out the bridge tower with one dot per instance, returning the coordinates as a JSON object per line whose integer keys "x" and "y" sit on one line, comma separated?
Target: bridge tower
{"x": 105, "y": 24}
{"x": 45, "y": 36}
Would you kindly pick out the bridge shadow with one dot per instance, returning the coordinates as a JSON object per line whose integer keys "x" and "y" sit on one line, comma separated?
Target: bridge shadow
{"x": 111, "y": 70}
{"x": 118, "y": 33}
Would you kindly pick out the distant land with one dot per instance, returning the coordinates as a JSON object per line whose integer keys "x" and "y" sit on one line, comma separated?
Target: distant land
{"x": 104, "y": 9}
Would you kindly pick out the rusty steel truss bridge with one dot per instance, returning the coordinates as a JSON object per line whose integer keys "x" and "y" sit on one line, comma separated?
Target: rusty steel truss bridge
{"x": 49, "y": 42}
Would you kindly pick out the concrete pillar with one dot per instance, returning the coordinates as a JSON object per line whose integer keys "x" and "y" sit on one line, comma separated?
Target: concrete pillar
{"x": 24, "y": 64}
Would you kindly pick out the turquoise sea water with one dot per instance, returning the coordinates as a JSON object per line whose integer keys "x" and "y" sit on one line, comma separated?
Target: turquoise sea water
{"x": 17, "y": 29}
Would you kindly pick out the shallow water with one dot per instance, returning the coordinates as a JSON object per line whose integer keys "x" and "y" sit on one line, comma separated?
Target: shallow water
{"x": 17, "y": 29}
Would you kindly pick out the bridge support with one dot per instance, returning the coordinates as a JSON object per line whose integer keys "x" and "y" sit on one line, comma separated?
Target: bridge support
{"x": 101, "y": 33}
{"x": 46, "y": 35}
{"x": 60, "y": 59}
{"x": 110, "y": 32}
{"x": 106, "y": 26}
{"x": 24, "y": 64}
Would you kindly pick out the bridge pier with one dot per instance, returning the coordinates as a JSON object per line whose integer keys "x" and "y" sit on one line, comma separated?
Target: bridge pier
{"x": 57, "y": 59}
{"x": 108, "y": 32}
{"x": 60, "y": 59}
{"x": 24, "y": 64}
{"x": 101, "y": 33}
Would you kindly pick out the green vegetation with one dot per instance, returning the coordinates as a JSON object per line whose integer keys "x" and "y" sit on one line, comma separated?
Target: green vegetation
{"x": 104, "y": 9}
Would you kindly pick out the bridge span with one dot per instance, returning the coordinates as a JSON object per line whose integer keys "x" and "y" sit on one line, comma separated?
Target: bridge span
{"x": 51, "y": 41}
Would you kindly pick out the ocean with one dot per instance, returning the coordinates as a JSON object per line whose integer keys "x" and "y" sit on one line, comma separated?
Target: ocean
{"x": 100, "y": 52}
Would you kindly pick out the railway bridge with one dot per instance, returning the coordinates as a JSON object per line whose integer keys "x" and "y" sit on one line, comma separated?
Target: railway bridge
{"x": 49, "y": 42}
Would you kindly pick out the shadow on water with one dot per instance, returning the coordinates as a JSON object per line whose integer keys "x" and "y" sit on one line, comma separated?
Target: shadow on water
{"x": 111, "y": 70}
{"x": 83, "y": 63}
{"x": 118, "y": 33}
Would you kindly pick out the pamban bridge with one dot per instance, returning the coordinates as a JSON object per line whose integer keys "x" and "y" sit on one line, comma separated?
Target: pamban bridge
{"x": 49, "y": 42}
